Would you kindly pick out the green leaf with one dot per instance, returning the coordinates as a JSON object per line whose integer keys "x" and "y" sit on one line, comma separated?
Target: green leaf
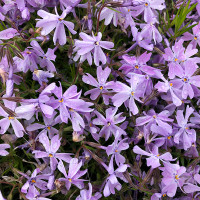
{"x": 114, "y": 10}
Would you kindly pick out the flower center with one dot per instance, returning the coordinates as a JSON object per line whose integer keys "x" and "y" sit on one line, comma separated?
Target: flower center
{"x": 60, "y": 19}
{"x": 176, "y": 177}
{"x": 48, "y": 127}
{"x": 97, "y": 43}
{"x": 101, "y": 88}
{"x": 171, "y": 84}
{"x": 186, "y": 128}
{"x": 158, "y": 155}
{"x": 185, "y": 79}
{"x": 136, "y": 67}
{"x": 70, "y": 180}
{"x": 108, "y": 123}
{"x": 28, "y": 52}
{"x": 33, "y": 181}
{"x": 154, "y": 116}
{"x": 50, "y": 155}
{"x": 169, "y": 137}
{"x": 61, "y": 100}
{"x": 195, "y": 37}
{"x": 71, "y": 110}
{"x": 132, "y": 93}
{"x": 116, "y": 150}
{"x": 10, "y": 117}
{"x": 90, "y": 124}
{"x": 176, "y": 59}
{"x": 146, "y": 4}
{"x": 164, "y": 195}
{"x": 129, "y": 10}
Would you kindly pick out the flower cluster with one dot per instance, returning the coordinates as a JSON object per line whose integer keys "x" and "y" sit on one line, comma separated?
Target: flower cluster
{"x": 99, "y": 99}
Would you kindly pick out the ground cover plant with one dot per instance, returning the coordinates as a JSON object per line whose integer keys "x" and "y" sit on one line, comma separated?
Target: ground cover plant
{"x": 99, "y": 99}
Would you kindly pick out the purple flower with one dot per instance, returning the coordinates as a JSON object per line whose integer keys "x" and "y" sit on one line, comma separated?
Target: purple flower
{"x": 174, "y": 56}
{"x": 154, "y": 156}
{"x": 73, "y": 175}
{"x": 92, "y": 44}
{"x": 51, "y": 21}
{"x": 172, "y": 178}
{"x": 42, "y": 76}
{"x": 51, "y": 149}
{"x": 116, "y": 147}
{"x": 195, "y": 37}
{"x": 149, "y": 31}
{"x": 184, "y": 134}
{"x": 152, "y": 117}
{"x": 34, "y": 181}
{"x": 29, "y": 62}
{"x": 111, "y": 182}
{"x": 100, "y": 84}
{"x": 187, "y": 81}
{"x": 8, "y": 33}
{"x": 31, "y": 106}
{"x": 128, "y": 94}
{"x": 109, "y": 123}
{"x": 11, "y": 119}
{"x": 69, "y": 105}
{"x": 48, "y": 127}
{"x": 148, "y": 7}
{"x": 137, "y": 64}
{"x": 47, "y": 58}
{"x": 87, "y": 194}
{"x": 3, "y": 152}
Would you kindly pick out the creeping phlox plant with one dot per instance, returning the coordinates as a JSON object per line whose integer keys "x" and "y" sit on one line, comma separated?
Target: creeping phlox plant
{"x": 99, "y": 99}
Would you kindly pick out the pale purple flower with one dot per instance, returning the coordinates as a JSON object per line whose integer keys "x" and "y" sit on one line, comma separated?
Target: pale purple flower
{"x": 137, "y": 64}
{"x": 8, "y": 33}
{"x": 109, "y": 123}
{"x": 194, "y": 37}
{"x": 73, "y": 175}
{"x": 3, "y": 152}
{"x": 31, "y": 106}
{"x": 151, "y": 117}
{"x": 154, "y": 156}
{"x": 148, "y": 7}
{"x": 184, "y": 135}
{"x": 92, "y": 44}
{"x": 87, "y": 194}
{"x": 172, "y": 178}
{"x": 47, "y": 127}
{"x": 34, "y": 181}
{"x": 42, "y": 76}
{"x": 51, "y": 21}
{"x": 116, "y": 147}
{"x": 51, "y": 150}
{"x": 46, "y": 58}
{"x": 69, "y": 105}
{"x": 111, "y": 182}
{"x": 128, "y": 94}
{"x": 9, "y": 119}
{"x": 101, "y": 84}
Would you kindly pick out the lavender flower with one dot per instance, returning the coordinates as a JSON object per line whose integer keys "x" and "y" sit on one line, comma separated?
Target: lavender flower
{"x": 3, "y": 152}
{"x": 51, "y": 21}
{"x": 51, "y": 149}
{"x": 154, "y": 156}
{"x": 109, "y": 123}
{"x": 92, "y": 44}
{"x": 101, "y": 85}
{"x": 73, "y": 175}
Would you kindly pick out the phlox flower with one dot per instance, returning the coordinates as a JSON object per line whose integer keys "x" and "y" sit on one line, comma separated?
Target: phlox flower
{"x": 51, "y": 150}
{"x": 51, "y": 21}
{"x": 91, "y": 44}
{"x": 73, "y": 175}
